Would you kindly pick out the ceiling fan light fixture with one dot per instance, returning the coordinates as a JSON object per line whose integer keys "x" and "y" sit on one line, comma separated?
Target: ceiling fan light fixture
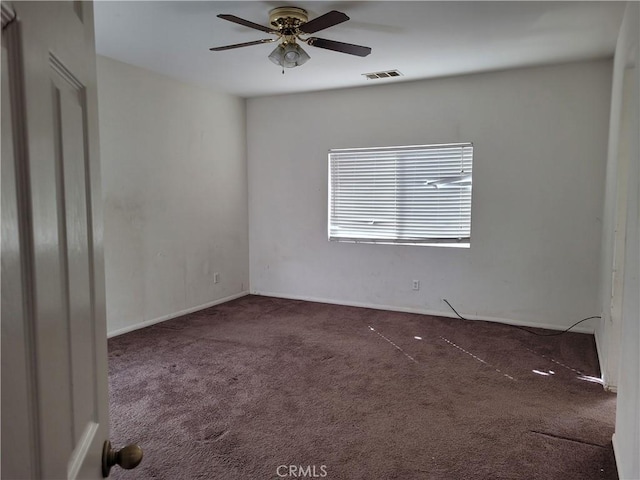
{"x": 277, "y": 55}
{"x": 289, "y": 55}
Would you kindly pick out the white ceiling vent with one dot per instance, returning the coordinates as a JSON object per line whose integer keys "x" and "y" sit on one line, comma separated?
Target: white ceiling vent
{"x": 387, "y": 74}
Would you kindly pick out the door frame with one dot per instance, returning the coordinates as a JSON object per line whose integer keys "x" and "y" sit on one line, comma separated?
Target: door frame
{"x": 623, "y": 159}
{"x": 23, "y": 449}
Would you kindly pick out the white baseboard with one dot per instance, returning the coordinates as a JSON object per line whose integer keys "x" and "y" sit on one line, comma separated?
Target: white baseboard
{"x": 600, "y": 355}
{"x": 423, "y": 311}
{"x": 616, "y": 449}
{"x": 164, "y": 318}
{"x": 608, "y": 386}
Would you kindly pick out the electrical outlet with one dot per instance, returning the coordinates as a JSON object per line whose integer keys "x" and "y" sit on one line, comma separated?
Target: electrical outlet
{"x": 416, "y": 285}
{"x": 216, "y": 277}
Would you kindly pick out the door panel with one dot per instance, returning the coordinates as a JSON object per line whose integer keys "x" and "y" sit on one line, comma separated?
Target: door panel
{"x": 70, "y": 133}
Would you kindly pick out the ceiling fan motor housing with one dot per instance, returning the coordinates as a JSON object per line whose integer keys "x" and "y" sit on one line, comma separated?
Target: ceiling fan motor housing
{"x": 287, "y": 19}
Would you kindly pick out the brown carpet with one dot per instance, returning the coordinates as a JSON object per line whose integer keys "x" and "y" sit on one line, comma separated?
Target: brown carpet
{"x": 235, "y": 391}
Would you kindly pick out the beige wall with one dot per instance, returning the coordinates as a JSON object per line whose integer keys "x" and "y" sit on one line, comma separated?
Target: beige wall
{"x": 540, "y": 137}
{"x": 175, "y": 191}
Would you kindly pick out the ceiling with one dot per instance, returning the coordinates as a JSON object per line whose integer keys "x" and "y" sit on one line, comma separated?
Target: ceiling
{"x": 420, "y": 39}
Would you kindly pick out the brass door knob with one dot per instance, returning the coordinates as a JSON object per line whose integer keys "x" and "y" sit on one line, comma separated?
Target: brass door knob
{"x": 127, "y": 457}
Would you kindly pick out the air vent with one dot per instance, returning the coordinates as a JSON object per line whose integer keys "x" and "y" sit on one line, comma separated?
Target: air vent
{"x": 387, "y": 74}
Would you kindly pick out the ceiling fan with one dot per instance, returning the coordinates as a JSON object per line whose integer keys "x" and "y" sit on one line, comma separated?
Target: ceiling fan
{"x": 289, "y": 24}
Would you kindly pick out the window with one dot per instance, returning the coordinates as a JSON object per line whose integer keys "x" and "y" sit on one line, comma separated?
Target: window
{"x": 404, "y": 195}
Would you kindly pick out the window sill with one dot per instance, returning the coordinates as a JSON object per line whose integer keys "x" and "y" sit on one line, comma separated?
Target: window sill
{"x": 417, "y": 244}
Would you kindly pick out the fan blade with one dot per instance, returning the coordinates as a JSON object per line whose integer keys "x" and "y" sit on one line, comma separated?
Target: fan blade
{"x": 246, "y": 23}
{"x": 246, "y": 44}
{"x": 327, "y": 20}
{"x": 349, "y": 48}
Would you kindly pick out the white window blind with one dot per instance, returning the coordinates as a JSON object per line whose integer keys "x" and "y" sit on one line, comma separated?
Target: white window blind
{"x": 408, "y": 195}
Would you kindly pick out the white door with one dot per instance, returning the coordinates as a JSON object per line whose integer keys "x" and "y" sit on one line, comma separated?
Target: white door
{"x": 54, "y": 358}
